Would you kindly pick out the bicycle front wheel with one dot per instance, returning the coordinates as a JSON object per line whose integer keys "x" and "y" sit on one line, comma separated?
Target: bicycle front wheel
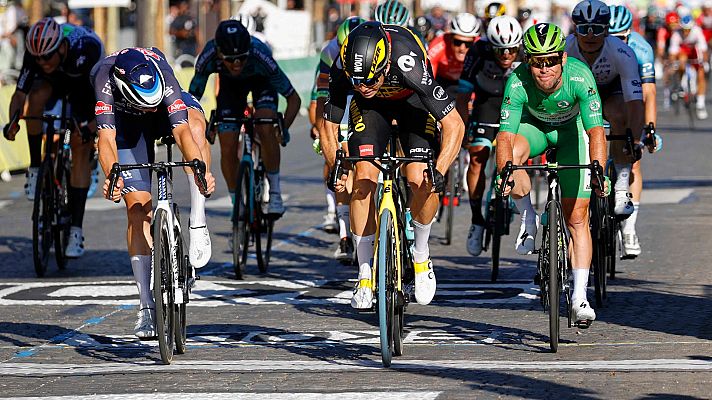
{"x": 386, "y": 290}
{"x": 500, "y": 215}
{"x": 163, "y": 291}
{"x": 240, "y": 220}
{"x": 452, "y": 178}
{"x": 263, "y": 241}
{"x": 42, "y": 212}
{"x": 62, "y": 213}
{"x": 555, "y": 234}
{"x": 180, "y": 309}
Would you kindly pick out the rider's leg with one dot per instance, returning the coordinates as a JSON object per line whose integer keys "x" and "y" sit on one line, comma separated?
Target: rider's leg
{"x": 200, "y": 249}
{"x": 530, "y": 142}
{"x": 36, "y": 100}
{"x": 78, "y": 188}
{"x": 343, "y": 213}
{"x": 330, "y": 217}
{"x": 614, "y": 110}
{"x": 701, "y": 91}
{"x": 476, "y": 180}
{"x": 138, "y": 236}
{"x": 580, "y": 252}
{"x": 270, "y": 148}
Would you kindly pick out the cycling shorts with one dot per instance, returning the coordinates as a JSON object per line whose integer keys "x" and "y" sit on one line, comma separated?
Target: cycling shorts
{"x": 232, "y": 100}
{"x": 370, "y": 124}
{"x": 135, "y": 136}
{"x": 571, "y": 142}
{"x": 484, "y": 121}
{"x": 690, "y": 53}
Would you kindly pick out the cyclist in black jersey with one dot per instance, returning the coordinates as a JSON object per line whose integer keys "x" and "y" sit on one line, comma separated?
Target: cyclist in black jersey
{"x": 488, "y": 64}
{"x": 388, "y": 71}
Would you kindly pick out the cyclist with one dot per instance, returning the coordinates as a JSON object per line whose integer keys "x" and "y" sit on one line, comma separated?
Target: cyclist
{"x": 615, "y": 68}
{"x": 248, "y": 21}
{"x": 392, "y": 12}
{"x": 447, "y": 52}
{"x": 57, "y": 63}
{"x": 337, "y": 218}
{"x": 672, "y": 24}
{"x": 245, "y": 65}
{"x": 620, "y": 26}
{"x": 487, "y": 66}
{"x": 551, "y": 101}
{"x": 387, "y": 69}
{"x": 688, "y": 45}
{"x": 139, "y": 100}
{"x": 492, "y": 10}
{"x": 425, "y": 28}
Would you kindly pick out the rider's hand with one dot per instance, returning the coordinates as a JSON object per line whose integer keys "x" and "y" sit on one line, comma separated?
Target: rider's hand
{"x": 210, "y": 179}
{"x": 211, "y": 134}
{"x": 606, "y": 186}
{"x": 438, "y": 183}
{"x": 340, "y": 185}
{"x": 314, "y": 133}
{"x": 507, "y": 188}
{"x": 10, "y": 131}
{"x": 116, "y": 196}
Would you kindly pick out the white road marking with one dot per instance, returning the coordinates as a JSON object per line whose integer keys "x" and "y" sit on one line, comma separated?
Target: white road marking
{"x": 101, "y": 204}
{"x": 5, "y": 203}
{"x": 251, "y": 396}
{"x": 345, "y": 365}
{"x": 653, "y": 196}
{"x": 225, "y": 202}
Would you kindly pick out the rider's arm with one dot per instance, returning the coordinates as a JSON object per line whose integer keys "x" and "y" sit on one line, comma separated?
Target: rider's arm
{"x": 597, "y": 144}
{"x": 651, "y": 108}
{"x": 515, "y": 99}
{"x": 205, "y": 65}
{"x": 108, "y": 155}
{"x": 453, "y": 129}
{"x": 465, "y": 86}
{"x": 334, "y": 110}
{"x": 293, "y": 104}
{"x": 592, "y": 116}
{"x": 185, "y": 141}
{"x": 627, "y": 66}
{"x": 328, "y": 132}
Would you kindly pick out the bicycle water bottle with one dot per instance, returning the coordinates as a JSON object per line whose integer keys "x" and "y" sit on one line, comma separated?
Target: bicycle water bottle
{"x": 409, "y": 232}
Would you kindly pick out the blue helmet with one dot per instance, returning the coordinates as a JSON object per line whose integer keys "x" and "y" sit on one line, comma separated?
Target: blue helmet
{"x": 138, "y": 78}
{"x": 621, "y": 20}
{"x": 591, "y": 12}
{"x": 686, "y": 22}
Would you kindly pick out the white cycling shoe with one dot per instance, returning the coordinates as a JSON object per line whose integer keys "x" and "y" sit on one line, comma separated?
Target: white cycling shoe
{"x": 331, "y": 224}
{"x": 630, "y": 247}
{"x": 200, "y": 249}
{"x": 526, "y": 240}
{"x": 31, "y": 183}
{"x": 474, "y": 239}
{"x": 363, "y": 295}
{"x": 145, "y": 325}
{"x": 275, "y": 205}
{"x": 425, "y": 283}
{"x": 583, "y": 314}
{"x": 624, "y": 204}
{"x": 701, "y": 112}
{"x": 75, "y": 243}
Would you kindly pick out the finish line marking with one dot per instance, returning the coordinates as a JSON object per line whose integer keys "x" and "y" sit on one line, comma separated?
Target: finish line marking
{"x": 251, "y": 396}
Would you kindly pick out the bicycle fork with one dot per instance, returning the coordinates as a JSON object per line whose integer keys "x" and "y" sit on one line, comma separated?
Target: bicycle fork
{"x": 387, "y": 204}
{"x": 165, "y": 202}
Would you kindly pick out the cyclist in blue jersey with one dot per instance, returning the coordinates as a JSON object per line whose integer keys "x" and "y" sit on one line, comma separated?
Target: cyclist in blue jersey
{"x": 57, "y": 62}
{"x": 245, "y": 65}
{"x": 139, "y": 100}
{"x": 620, "y": 26}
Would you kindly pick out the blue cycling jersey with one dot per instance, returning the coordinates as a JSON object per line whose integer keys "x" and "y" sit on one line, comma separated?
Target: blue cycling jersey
{"x": 645, "y": 55}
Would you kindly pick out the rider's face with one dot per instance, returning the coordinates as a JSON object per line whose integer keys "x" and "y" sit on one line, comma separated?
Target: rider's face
{"x": 546, "y": 71}
{"x": 234, "y": 65}
{"x": 50, "y": 63}
{"x": 505, "y": 57}
{"x": 370, "y": 91}
{"x": 590, "y": 40}
{"x": 460, "y": 45}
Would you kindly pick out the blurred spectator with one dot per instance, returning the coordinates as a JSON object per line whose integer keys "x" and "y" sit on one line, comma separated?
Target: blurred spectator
{"x": 524, "y": 16}
{"x": 333, "y": 20}
{"x": 259, "y": 15}
{"x": 438, "y": 19}
{"x": 183, "y": 30}
{"x": 12, "y": 18}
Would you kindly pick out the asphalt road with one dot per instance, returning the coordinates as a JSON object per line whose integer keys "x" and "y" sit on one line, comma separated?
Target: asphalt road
{"x": 290, "y": 334}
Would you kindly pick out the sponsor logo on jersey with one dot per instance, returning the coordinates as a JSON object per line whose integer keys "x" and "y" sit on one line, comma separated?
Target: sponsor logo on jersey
{"x": 177, "y": 105}
{"x": 103, "y": 108}
{"x": 449, "y": 108}
{"x": 636, "y": 83}
{"x": 623, "y": 51}
{"x": 406, "y": 62}
{"x": 504, "y": 114}
{"x": 576, "y": 79}
{"x": 365, "y": 150}
{"x": 508, "y": 100}
{"x": 169, "y": 91}
{"x": 594, "y": 105}
{"x": 591, "y": 92}
{"x": 439, "y": 93}
{"x": 516, "y": 85}
{"x": 149, "y": 53}
{"x": 563, "y": 104}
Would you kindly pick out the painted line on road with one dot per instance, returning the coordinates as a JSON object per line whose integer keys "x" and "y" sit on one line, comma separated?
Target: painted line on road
{"x": 5, "y": 203}
{"x": 251, "y": 396}
{"x": 344, "y": 365}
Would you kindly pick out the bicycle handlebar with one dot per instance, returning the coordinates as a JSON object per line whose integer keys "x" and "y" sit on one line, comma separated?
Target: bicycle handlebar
{"x": 196, "y": 165}
{"x": 279, "y": 120}
{"x": 509, "y": 168}
{"x": 392, "y": 162}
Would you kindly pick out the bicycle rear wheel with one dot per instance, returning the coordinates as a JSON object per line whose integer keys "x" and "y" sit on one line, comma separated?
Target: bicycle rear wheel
{"x": 180, "y": 309}
{"x": 450, "y": 208}
{"x": 386, "y": 289}
{"x": 599, "y": 227}
{"x": 62, "y": 214}
{"x": 263, "y": 241}
{"x": 163, "y": 291}
{"x": 240, "y": 220}
{"x": 613, "y": 228}
{"x": 42, "y": 212}
{"x": 554, "y": 284}
{"x": 498, "y": 231}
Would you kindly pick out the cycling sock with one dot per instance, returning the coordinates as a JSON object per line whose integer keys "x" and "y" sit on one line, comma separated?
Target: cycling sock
{"x": 628, "y": 225}
{"x": 330, "y": 201}
{"x": 141, "y": 266}
{"x": 77, "y": 203}
{"x": 476, "y": 208}
{"x": 35, "y": 144}
{"x": 273, "y": 178}
{"x": 343, "y": 213}
{"x": 421, "y": 251}
{"x": 232, "y": 202}
{"x": 364, "y": 254}
{"x": 524, "y": 205}
{"x": 700, "y": 100}
{"x": 197, "y": 204}
{"x": 580, "y": 283}
{"x": 622, "y": 182}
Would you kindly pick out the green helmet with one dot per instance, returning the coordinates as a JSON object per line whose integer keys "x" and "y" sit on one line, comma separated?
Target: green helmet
{"x": 544, "y": 38}
{"x": 392, "y": 12}
{"x": 347, "y": 26}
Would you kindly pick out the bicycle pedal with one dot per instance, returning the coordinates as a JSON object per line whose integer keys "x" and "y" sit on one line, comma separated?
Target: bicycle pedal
{"x": 583, "y": 324}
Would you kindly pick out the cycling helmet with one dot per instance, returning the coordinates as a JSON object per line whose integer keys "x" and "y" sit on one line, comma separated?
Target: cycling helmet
{"x": 591, "y": 12}
{"x": 672, "y": 18}
{"x": 504, "y": 31}
{"x": 494, "y": 10}
{"x": 44, "y": 37}
{"x": 347, "y": 26}
{"x": 621, "y": 19}
{"x": 544, "y": 38}
{"x": 686, "y": 22}
{"x": 465, "y": 24}
{"x": 247, "y": 21}
{"x": 232, "y": 38}
{"x": 365, "y": 52}
{"x": 392, "y": 12}
{"x": 423, "y": 25}
{"x": 137, "y": 77}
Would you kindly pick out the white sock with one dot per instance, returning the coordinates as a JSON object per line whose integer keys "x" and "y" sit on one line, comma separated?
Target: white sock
{"x": 628, "y": 225}
{"x": 524, "y": 205}
{"x": 273, "y": 178}
{"x": 580, "y": 283}
{"x": 197, "y": 204}
{"x": 141, "y": 266}
{"x": 343, "y": 213}
{"x": 364, "y": 254}
{"x": 700, "y": 100}
{"x": 421, "y": 250}
{"x": 330, "y": 201}
{"x": 623, "y": 182}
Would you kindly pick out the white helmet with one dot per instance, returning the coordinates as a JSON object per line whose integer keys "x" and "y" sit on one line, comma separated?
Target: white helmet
{"x": 465, "y": 24}
{"x": 504, "y": 31}
{"x": 247, "y": 21}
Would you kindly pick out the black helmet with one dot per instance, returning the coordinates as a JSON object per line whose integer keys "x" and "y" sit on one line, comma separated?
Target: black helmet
{"x": 232, "y": 38}
{"x": 365, "y": 52}
{"x": 423, "y": 25}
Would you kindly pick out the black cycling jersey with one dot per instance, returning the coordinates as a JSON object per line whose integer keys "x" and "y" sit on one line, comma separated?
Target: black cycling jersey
{"x": 409, "y": 75}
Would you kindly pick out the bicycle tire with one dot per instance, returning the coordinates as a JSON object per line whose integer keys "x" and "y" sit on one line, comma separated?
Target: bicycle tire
{"x": 181, "y": 325}
{"x": 62, "y": 212}
{"x": 399, "y": 298}
{"x": 499, "y": 229}
{"x": 240, "y": 218}
{"x": 599, "y": 235}
{"x": 614, "y": 227}
{"x": 42, "y": 210}
{"x": 163, "y": 291}
{"x": 386, "y": 289}
{"x": 554, "y": 291}
{"x": 452, "y": 177}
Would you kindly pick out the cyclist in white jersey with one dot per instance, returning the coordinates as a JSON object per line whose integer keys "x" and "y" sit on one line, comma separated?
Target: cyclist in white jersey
{"x": 688, "y": 45}
{"x": 615, "y": 68}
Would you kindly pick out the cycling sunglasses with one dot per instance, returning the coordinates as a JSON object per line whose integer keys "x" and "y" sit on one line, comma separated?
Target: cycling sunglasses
{"x": 544, "y": 61}
{"x": 236, "y": 58}
{"x": 595, "y": 29}
{"x": 46, "y": 57}
{"x": 366, "y": 82}
{"x": 501, "y": 51}
{"x": 458, "y": 42}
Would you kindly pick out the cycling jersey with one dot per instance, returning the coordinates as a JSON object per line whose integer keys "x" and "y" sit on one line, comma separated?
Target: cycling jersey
{"x": 663, "y": 39}
{"x": 445, "y": 65}
{"x": 645, "y": 55}
{"x": 705, "y": 22}
{"x": 615, "y": 61}
{"x": 410, "y": 75}
{"x": 695, "y": 40}
{"x": 329, "y": 53}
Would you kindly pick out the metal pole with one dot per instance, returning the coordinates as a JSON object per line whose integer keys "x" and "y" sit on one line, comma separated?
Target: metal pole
{"x": 146, "y": 22}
